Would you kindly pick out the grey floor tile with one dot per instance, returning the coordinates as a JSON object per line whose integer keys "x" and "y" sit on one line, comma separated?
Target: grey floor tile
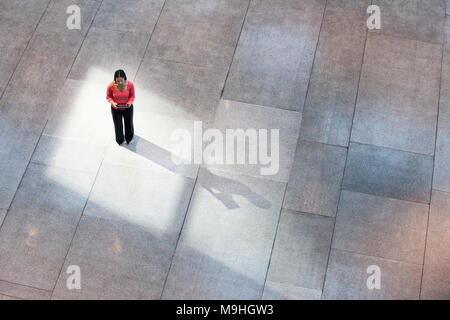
{"x": 117, "y": 261}
{"x": 14, "y": 39}
{"x": 12, "y": 169}
{"x": 389, "y": 173}
{"x": 147, "y": 198}
{"x": 381, "y": 227}
{"x": 412, "y": 19}
{"x": 398, "y": 95}
{"x": 273, "y": 60}
{"x": 18, "y": 137}
{"x": 2, "y": 215}
{"x": 441, "y": 178}
{"x": 347, "y": 278}
{"x": 47, "y": 61}
{"x": 103, "y": 52}
{"x": 330, "y": 103}
{"x": 8, "y": 63}
{"x": 56, "y": 20}
{"x": 436, "y": 278}
{"x": 315, "y": 179}
{"x": 438, "y": 236}
{"x": 225, "y": 245}
{"x": 20, "y": 127}
{"x": 53, "y": 36}
{"x": 35, "y": 84}
{"x": 263, "y": 123}
{"x": 283, "y": 291}
{"x": 300, "y": 254}
{"x": 36, "y": 234}
{"x": 48, "y": 58}
{"x": 19, "y": 141}
{"x": 14, "y": 158}
{"x": 23, "y": 10}
{"x": 82, "y": 113}
{"x": 68, "y": 154}
{"x": 23, "y": 292}
{"x": 178, "y": 90}
{"x": 15, "y": 33}
{"x": 130, "y": 16}
{"x": 29, "y": 117}
{"x": 5, "y": 298}
{"x": 200, "y": 32}
{"x": 28, "y": 99}
{"x": 155, "y": 146}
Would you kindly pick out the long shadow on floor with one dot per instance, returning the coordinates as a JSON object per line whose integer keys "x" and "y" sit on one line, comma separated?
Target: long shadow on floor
{"x": 117, "y": 259}
{"x": 162, "y": 157}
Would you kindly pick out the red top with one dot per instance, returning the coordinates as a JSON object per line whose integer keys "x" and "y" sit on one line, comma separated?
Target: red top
{"x": 117, "y": 96}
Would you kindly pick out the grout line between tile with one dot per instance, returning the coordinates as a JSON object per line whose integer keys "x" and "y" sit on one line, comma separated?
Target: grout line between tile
{"x": 149, "y": 40}
{"x": 98, "y": 170}
{"x": 82, "y": 42}
{"x": 212, "y": 67}
{"x": 314, "y": 57}
{"x": 235, "y": 49}
{"x": 273, "y": 244}
{"x": 75, "y": 232}
{"x": 434, "y": 162}
{"x": 301, "y": 140}
{"x": 146, "y": 170}
{"x": 384, "y": 196}
{"x": 21, "y": 179}
{"x": 297, "y": 144}
{"x": 443, "y": 191}
{"x": 247, "y": 175}
{"x": 23, "y": 285}
{"x": 345, "y": 164}
{"x": 179, "y": 236}
{"x": 45, "y": 125}
{"x": 390, "y": 148}
{"x": 23, "y": 52}
{"x": 404, "y": 38}
{"x": 62, "y": 168}
{"x": 75, "y": 140}
{"x": 306, "y": 95}
{"x": 10, "y": 296}
{"x": 376, "y": 257}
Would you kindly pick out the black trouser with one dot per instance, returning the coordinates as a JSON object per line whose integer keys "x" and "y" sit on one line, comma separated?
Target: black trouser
{"x": 127, "y": 115}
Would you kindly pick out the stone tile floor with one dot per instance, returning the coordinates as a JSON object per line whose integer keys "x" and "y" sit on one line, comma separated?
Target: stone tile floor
{"x": 363, "y": 174}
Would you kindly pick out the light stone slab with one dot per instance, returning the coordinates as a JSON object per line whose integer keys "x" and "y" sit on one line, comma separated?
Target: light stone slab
{"x": 225, "y": 245}
{"x": 381, "y": 227}
{"x": 118, "y": 261}
{"x": 40, "y": 224}
{"x": 347, "y": 278}
{"x": 273, "y": 60}
{"x": 300, "y": 253}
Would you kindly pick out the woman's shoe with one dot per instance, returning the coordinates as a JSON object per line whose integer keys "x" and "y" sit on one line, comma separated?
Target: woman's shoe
{"x": 131, "y": 141}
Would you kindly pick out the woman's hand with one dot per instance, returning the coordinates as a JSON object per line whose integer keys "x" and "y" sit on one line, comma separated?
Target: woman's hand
{"x": 114, "y": 105}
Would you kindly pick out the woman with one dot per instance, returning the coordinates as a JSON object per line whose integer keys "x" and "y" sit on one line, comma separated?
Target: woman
{"x": 120, "y": 94}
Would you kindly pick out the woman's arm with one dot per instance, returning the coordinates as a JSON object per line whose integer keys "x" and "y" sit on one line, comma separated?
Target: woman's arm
{"x": 109, "y": 95}
{"x": 131, "y": 97}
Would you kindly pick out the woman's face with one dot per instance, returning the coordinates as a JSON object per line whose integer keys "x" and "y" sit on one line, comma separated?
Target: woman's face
{"x": 120, "y": 81}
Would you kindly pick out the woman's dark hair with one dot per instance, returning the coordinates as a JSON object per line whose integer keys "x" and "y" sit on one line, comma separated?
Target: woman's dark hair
{"x": 120, "y": 74}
